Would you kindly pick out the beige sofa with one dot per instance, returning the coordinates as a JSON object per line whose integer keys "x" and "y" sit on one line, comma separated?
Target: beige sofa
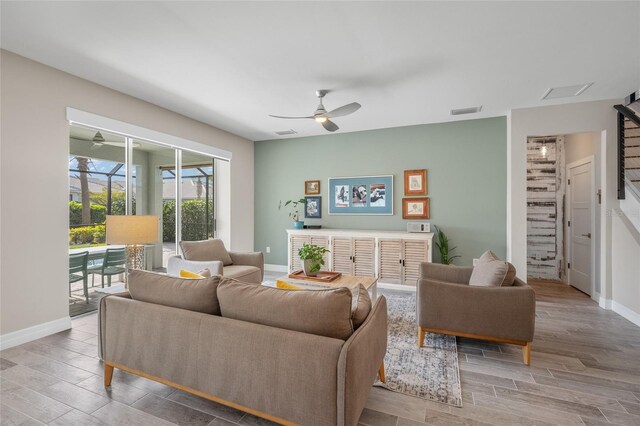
{"x": 447, "y": 304}
{"x": 239, "y": 346}
{"x": 211, "y": 254}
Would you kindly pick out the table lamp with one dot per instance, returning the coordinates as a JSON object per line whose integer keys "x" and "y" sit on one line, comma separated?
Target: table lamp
{"x": 133, "y": 232}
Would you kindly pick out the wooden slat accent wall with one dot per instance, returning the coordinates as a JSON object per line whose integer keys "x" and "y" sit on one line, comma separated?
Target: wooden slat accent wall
{"x": 545, "y": 207}
{"x": 364, "y": 251}
{"x": 389, "y": 258}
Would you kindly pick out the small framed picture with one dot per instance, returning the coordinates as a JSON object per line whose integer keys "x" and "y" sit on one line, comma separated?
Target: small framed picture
{"x": 415, "y": 182}
{"x": 312, "y": 187}
{"x": 415, "y": 208}
{"x": 313, "y": 207}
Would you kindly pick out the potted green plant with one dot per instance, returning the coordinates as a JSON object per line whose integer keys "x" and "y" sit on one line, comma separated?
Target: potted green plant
{"x": 442, "y": 242}
{"x": 312, "y": 257}
{"x": 294, "y": 212}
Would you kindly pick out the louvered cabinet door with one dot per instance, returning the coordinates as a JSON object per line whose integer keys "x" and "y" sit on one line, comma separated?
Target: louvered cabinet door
{"x": 295, "y": 243}
{"x": 414, "y": 252}
{"x": 341, "y": 257}
{"x": 322, "y": 242}
{"x": 364, "y": 257}
{"x": 390, "y": 261}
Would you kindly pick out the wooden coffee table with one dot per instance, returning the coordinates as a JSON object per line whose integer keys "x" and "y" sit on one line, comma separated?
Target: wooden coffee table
{"x": 349, "y": 281}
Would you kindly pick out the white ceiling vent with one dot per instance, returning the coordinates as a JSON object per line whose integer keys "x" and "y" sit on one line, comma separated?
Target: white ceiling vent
{"x": 565, "y": 91}
{"x": 470, "y": 110}
{"x": 286, "y": 132}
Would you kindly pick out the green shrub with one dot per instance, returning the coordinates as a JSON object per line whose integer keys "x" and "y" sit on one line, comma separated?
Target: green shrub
{"x": 94, "y": 234}
{"x": 169, "y": 220}
{"x": 194, "y": 225}
{"x": 98, "y": 213}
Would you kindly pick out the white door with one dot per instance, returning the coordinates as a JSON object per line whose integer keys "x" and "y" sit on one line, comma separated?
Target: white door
{"x": 581, "y": 227}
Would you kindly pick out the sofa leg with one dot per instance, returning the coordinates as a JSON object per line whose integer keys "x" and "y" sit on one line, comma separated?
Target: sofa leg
{"x": 381, "y": 376}
{"x": 108, "y": 374}
{"x": 421, "y": 333}
{"x": 526, "y": 353}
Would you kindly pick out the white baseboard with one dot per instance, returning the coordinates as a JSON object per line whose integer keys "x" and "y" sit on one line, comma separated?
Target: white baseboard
{"x": 275, "y": 268}
{"x": 604, "y": 303}
{"x": 625, "y": 312}
{"x": 397, "y": 287}
{"x": 25, "y": 335}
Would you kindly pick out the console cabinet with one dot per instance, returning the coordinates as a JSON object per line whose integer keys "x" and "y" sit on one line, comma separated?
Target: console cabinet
{"x": 392, "y": 257}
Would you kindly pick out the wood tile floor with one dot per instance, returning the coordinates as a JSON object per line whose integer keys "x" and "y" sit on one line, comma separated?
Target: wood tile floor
{"x": 585, "y": 371}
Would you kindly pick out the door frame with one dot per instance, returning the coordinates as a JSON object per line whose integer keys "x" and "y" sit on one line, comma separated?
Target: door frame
{"x": 591, "y": 161}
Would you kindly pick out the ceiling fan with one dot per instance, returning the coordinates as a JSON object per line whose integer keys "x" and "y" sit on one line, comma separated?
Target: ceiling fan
{"x": 98, "y": 140}
{"x": 322, "y": 116}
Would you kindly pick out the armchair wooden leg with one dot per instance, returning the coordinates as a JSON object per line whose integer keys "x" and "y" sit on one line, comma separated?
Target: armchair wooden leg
{"x": 108, "y": 374}
{"x": 381, "y": 376}
{"x": 421, "y": 333}
{"x": 526, "y": 353}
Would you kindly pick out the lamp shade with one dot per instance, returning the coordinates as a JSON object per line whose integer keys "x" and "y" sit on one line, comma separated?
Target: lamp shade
{"x": 132, "y": 229}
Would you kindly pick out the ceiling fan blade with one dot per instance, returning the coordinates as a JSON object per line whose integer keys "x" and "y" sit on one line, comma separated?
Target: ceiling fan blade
{"x": 330, "y": 125}
{"x": 344, "y": 110}
{"x": 280, "y": 116}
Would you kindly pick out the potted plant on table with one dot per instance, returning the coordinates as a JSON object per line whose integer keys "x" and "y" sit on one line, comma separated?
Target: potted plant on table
{"x": 294, "y": 213}
{"x": 312, "y": 257}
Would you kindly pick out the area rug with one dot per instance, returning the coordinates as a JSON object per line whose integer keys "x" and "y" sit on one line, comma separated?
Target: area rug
{"x": 430, "y": 372}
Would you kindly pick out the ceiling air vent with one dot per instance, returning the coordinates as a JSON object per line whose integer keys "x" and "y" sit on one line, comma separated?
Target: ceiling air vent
{"x": 470, "y": 110}
{"x": 286, "y": 132}
{"x": 565, "y": 91}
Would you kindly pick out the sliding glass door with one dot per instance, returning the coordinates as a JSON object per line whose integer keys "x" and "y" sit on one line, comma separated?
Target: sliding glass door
{"x": 121, "y": 174}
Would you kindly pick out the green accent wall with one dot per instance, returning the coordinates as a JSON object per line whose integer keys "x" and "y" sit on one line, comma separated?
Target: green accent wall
{"x": 466, "y": 169}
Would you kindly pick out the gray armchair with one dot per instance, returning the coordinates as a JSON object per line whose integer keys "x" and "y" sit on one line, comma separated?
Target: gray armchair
{"x": 447, "y": 304}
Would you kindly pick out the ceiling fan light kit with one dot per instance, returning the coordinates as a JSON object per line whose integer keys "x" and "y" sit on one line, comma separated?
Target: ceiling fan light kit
{"x": 322, "y": 116}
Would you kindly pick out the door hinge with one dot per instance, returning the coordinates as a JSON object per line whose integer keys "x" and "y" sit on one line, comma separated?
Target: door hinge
{"x": 569, "y": 265}
{"x": 568, "y": 181}
{"x": 569, "y": 223}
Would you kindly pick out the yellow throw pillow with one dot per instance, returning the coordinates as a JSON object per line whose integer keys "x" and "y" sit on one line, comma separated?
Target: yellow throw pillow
{"x": 188, "y": 274}
{"x": 286, "y": 286}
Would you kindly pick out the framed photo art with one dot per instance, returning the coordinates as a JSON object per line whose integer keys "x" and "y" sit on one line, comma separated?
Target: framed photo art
{"x": 361, "y": 195}
{"x": 313, "y": 207}
{"x": 415, "y": 182}
{"x": 415, "y": 208}
{"x": 312, "y": 187}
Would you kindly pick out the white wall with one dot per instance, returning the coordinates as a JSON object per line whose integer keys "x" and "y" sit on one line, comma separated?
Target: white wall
{"x": 626, "y": 268}
{"x": 599, "y": 117}
{"x": 579, "y": 146}
{"x": 34, "y": 147}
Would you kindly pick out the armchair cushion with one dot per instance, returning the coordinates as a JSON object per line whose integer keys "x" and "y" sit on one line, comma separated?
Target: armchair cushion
{"x": 246, "y": 273}
{"x": 492, "y": 272}
{"x": 212, "y": 249}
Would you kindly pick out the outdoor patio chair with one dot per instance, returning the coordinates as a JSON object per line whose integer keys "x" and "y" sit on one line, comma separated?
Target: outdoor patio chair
{"x": 78, "y": 271}
{"x": 113, "y": 263}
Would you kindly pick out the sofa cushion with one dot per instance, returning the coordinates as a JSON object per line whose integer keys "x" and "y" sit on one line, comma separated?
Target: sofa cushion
{"x": 246, "y": 273}
{"x": 360, "y": 305}
{"x": 211, "y": 249}
{"x": 185, "y": 293}
{"x": 490, "y": 271}
{"x": 321, "y": 312}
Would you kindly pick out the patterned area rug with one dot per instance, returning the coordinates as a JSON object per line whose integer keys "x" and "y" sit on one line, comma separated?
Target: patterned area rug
{"x": 430, "y": 372}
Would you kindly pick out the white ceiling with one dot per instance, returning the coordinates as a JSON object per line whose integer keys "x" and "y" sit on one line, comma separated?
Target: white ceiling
{"x": 230, "y": 64}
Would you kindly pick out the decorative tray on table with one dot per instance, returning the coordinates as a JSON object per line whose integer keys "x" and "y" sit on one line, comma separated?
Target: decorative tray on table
{"x": 323, "y": 276}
